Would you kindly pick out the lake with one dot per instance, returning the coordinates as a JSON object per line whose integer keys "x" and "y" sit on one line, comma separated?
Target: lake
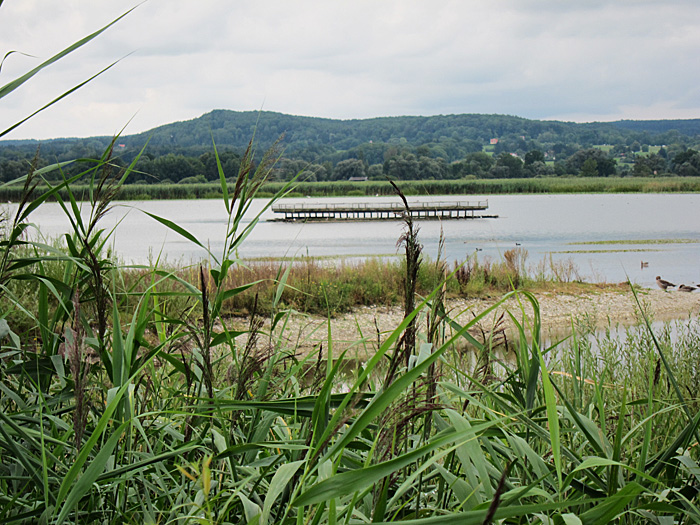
{"x": 559, "y": 226}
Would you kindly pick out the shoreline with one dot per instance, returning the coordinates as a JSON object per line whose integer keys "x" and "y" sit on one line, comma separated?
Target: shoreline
{"x": 361, "y": 329}
{"x": 559, "y": 185}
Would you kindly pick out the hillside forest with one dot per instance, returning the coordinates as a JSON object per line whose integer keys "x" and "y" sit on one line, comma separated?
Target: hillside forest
{"x": 401, "y": 148}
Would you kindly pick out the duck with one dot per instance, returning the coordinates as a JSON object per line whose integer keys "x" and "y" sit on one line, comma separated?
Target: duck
{"x": 663, "y": 284}
{"x": 684, "y": 288}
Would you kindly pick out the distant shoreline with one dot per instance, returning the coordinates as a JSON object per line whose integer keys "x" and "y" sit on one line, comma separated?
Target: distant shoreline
{"x": 552, "y": 185}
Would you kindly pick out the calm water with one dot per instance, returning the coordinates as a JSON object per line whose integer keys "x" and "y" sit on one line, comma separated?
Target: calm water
{"x": 540, "y": 224}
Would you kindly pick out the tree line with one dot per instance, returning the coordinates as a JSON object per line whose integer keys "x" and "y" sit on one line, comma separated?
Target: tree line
{"x": 400, "y": 148}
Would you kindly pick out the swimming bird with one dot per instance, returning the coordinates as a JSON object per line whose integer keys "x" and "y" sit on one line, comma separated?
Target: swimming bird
{"x": 663, "y": 284}
{"x": 684, "y": 288}
{"x": 645, "y": 264}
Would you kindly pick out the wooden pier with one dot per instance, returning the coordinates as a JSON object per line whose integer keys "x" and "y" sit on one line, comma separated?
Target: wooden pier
{"x": 380, "y": 211}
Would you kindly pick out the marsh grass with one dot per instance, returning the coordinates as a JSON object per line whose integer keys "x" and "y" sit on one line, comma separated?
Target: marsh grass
{"x": 319, "y": 286}
{"x": 640, "y": 241}
{"x": 124, "y": 398}
{"x": 141, "y": 406}
{"x": 211, "y": 190}
{"x": 608, "y": 251}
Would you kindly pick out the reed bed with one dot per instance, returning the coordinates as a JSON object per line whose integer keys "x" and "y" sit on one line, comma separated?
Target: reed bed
{"x": 212, "y": 190}
{"x": 501, "y": 186}
{"x": 335, "y": 286}
{"x": 136, "y": 404}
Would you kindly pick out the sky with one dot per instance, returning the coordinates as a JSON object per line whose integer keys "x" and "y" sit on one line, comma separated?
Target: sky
{"x": 582, "y": 61}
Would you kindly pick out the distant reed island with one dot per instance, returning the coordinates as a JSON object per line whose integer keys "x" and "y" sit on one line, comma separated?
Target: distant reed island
{"x": 554, "y": 185}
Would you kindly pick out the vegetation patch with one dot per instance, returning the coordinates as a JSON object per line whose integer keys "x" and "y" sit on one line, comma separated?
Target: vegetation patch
{"x": 608, "y": 251}
{"x": 302, "y": 260}
{"x": 640, "y": 241}
{"x": 126, "y": 397}
{"x": 129, "y": 398}
{"x": 466, "y": 186}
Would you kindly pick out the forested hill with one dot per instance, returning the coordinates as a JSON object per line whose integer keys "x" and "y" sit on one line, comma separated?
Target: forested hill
{"x": 236, "y": 128}
{"x": 464, "y": 132}
{"x": 409, "y": 147}
{"x": 684, "y": 127}
{"x": 313, "y": 138}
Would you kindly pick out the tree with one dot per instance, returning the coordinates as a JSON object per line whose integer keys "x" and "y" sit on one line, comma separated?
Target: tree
{"x": 620, "y": 149}
{"x": 690, "y": 156}
{"x": 539, "y": 169}
{"x": 687, "y": 169}
{"x": 435, "y": 169}
{"x": 286, "y": 169}
{"x": 403, "y": 167}
{"x": 649, "y": 165}
{"x": 534, "y": 155}
{"x": 507, "y": 167}
{"x": 686, "y": 163}
{"x": 349, "y": 168}
{"x": 562, "y": 150}
{"x": 375, "y": 172}
{"x": 175, "y": 167}
{"x": 589, "y": 168}
{"x": 230, "y": 162}
{"x": 475, "y": 164}
{"x": 605, "y": 165}
{"x": 13, "y": 169}
{"x": 314, "y": 172}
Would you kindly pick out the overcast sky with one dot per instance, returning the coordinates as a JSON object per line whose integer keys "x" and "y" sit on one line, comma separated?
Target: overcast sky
{"x": 584, "y": 60}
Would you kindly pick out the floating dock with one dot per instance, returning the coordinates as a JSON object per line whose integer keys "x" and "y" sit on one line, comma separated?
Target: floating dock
{"x": 380, "y": 211}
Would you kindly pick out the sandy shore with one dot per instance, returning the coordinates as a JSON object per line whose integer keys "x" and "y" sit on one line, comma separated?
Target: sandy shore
{"x": 558, "y": 308}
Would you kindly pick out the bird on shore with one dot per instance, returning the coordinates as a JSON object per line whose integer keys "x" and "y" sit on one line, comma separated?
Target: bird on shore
{"x": 663, "y": 284}
{"x": 684, "y": 288}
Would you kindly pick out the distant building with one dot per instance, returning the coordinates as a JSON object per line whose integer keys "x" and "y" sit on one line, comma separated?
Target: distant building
{"x": 494, "y": 141}
{"x": 357, "y": 179}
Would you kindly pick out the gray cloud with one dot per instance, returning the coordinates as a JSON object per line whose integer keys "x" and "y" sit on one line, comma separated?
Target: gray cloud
{"x": 544, "y": 59}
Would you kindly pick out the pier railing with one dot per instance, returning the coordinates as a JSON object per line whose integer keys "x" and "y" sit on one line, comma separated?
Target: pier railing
{"x": 380, "y": 206}
{"x": 315, "y": 211}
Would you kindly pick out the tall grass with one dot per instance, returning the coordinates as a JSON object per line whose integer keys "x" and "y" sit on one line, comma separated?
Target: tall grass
{"x": 501, "y": 186}
{"x": 320, "y": 286}
{"x": 126, "y": 398}
{"x": 212, "y": 190}
{"x": 137, "y": 403}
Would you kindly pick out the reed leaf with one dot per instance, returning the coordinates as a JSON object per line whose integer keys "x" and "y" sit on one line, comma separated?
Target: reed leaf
{"x": 356, "y": 480}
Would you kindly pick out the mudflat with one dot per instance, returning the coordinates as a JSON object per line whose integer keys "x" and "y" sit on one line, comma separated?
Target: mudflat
{"x": 363, "y": 328}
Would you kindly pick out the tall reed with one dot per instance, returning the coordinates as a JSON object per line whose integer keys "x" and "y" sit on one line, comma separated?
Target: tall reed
{"x": 185, "y": 424}
{"x": 135, "y": 402}
{"x": 212, "y": 190}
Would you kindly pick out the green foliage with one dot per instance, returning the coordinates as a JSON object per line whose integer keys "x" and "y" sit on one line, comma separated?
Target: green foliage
{"x": 136, "y": 403}
{"x": 403, "y": 148}
{"x": 169, "y": 415}
{"x": 652, "y": 184}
